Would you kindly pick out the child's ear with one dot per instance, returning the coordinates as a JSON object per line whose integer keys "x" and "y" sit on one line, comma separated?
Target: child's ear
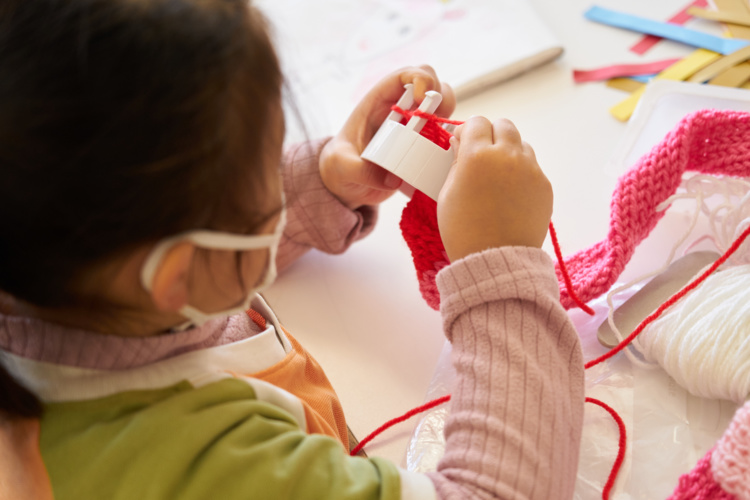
{"x": 169, "y": 288}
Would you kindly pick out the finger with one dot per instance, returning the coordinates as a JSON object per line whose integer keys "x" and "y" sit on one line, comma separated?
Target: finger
{"x": 377, "y": 103}
{"x": 458, "y": 131}
{"x": 528, "y": 150}
{"x": 422, "y": 85}
{"x": 391, "y": 181}
{"x": 476, "y": 131}
{"x": 505, "y": 131}
{"x": 388, "y": 90}
{"x": 391, "y": 87}
{"x": 407, "y": 189}
{"x": 423, "y": 78}
{"x": 448, "y": 104}
{"x": 373, "y": 176}
{"x": 429, "y": 69}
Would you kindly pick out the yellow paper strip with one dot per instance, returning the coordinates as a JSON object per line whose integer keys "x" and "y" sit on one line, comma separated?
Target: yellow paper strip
{"x": 721, "y": 65}
{"x": 626, "y": 84}
{"x": 720, "y": 15}
{"x": 678, "y": 71}
{"x": 733, "y": 77}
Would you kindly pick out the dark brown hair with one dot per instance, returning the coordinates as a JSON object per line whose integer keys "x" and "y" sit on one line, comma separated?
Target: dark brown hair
{"x": 121, "y": 122}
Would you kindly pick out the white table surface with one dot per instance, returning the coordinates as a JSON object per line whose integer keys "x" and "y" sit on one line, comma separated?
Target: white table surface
{"x": 361, "y": 315}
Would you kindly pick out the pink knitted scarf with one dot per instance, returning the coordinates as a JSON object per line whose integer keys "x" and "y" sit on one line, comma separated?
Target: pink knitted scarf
{"x": 708, "y": 141}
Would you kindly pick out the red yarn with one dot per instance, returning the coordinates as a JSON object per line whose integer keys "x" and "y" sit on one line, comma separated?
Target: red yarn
{"x": 699, "y": 483}
{"x": 621, "y": 445}
{"x": 431, "y": 130}
{"x": 419, "y": 226}
{"x": 406, "y": 416}
{"x": 708, "y": 141}
{"x": 564, "y": 272}
{"x": 674, "y": 298}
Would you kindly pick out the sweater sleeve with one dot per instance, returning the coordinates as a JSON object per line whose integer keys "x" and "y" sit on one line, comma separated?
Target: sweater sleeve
{"x": 315, "y": 217}
{"x": 517, "y": 409}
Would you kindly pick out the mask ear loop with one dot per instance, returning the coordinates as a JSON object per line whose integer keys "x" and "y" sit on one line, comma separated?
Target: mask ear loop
{"x": 216, "y": 240}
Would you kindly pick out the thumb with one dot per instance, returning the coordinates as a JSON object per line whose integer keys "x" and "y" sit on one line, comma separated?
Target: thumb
{"x": 376, "y": 177}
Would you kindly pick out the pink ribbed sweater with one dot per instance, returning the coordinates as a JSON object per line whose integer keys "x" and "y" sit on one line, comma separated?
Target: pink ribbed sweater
{"x": 517, "y": 409}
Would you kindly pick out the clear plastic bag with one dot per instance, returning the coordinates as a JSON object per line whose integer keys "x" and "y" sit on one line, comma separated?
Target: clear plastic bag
{"x": 668, "y": 429}
{"x": 428, "y": 441}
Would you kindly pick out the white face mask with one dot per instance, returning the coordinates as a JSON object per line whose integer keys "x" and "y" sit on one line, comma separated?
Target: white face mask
{"x": 218, "y": 240}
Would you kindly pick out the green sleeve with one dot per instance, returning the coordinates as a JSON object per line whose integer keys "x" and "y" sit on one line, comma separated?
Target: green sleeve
{"x": 216, "y": 441}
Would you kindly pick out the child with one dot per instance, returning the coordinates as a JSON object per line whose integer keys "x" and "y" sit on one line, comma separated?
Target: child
{"x": 142, "y": 203}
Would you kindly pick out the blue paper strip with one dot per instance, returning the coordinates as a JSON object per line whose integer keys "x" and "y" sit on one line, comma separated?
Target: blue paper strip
{"x": 665, "y": 30}
{"x": 642, "y": 78}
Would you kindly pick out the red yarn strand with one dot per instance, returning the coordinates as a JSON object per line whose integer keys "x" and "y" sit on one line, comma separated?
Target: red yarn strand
{"x": 621, "y": 445}
{"x": 564, "y": 272}
{"x": 674, "y": 298}
{"x": 431, "y": 130}
{"x": 406, "y": 416}
{"x": 441, "y": 137}
{"x": 426, "y": 116}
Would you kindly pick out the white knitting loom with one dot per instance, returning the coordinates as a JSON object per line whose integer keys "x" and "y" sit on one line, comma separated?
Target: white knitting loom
{"x": 400, "y": 149}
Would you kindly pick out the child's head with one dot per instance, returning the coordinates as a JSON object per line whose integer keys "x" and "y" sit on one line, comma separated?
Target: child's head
{"x": 126, "y": 121}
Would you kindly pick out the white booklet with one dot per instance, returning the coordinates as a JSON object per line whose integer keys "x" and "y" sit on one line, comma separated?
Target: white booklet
{"x": 333, "y": 51}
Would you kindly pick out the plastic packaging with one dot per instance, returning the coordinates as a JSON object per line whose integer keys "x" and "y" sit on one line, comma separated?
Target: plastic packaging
{"x": 668, "y": 430}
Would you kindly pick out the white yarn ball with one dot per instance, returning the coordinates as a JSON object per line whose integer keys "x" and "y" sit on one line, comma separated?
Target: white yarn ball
{"x": 703, "y": 340}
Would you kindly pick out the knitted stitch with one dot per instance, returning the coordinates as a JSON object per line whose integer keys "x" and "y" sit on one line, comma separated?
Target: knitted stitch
{"x": 707, "y": 141}
{"x": 420, "y": 229}
{"x": 724, "y": 472}
{"x": 730, "y": 462}
{"x": 699, "y": 484}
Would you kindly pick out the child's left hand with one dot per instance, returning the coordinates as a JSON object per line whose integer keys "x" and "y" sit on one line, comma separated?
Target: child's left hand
{"x": 358, "y": 182}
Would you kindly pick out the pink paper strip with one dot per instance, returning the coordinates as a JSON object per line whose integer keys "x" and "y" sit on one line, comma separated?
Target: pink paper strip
{"x": 620, "y": 70}
{"x": 681, "y": 17}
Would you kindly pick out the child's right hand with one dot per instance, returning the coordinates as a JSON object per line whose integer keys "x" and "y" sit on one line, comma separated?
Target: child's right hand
{"x": 495, "y": 194}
